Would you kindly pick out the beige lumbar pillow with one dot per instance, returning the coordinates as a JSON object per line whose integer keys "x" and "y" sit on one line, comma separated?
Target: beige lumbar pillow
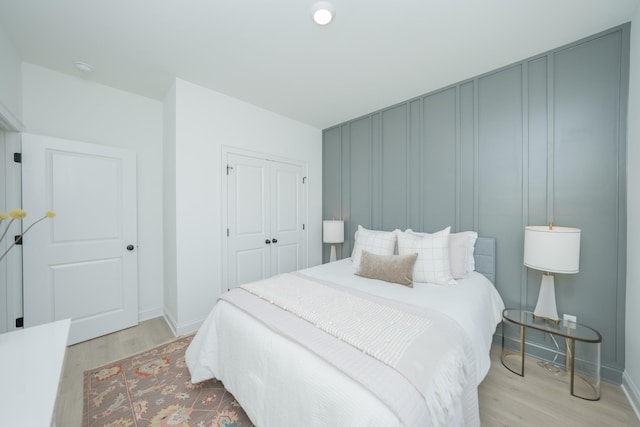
{"x": 390, "y": 268}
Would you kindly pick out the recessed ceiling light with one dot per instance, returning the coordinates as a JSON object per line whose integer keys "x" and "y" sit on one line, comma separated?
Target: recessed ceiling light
{"x": 323, "y": 12}
{"x": 83, "y": 67}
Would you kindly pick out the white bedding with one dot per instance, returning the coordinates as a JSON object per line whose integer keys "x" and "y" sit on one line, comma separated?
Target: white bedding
{"x": 474, "y": 302}
{"x": 280, "y": 383}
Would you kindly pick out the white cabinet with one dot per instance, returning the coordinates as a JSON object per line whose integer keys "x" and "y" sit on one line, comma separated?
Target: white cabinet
{"x": 265, "y": 209}
{"x": 31, "y": 361}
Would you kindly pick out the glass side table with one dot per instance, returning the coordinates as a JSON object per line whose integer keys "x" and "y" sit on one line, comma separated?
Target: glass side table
{"x": 582, "y": 349}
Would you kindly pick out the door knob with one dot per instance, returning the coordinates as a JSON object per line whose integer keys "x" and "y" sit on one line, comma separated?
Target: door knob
{"x": 268, "y": 242}
{"x": 130, "y": 247}
{"x": 275, "y": 240}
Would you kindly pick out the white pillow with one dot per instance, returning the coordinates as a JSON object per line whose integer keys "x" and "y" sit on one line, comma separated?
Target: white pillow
{"x": 461, "y": 247}
{"x": 366, "y": 231}
{"x": 375, "y": 241}
{"x": 433, "y": 264}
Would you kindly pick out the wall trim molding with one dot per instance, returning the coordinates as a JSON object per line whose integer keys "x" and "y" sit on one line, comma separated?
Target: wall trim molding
{"x": 171, "y": 321}
{"x": 632, "y": 392}
{"x": 180, "y": 329}
{"x": 189, "y": 327}
{"x": 8, "y": 121}
{"x": 149, "y": 314}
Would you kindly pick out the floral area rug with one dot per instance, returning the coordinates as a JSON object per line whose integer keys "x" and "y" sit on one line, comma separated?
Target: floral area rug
{"x": 153, "y": 389}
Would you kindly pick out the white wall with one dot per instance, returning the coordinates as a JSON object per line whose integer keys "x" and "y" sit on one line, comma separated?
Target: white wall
{"x": 10, "y": 88}
{"x": 631, "y": 376}
{"x": 169, "y": 201}
{"x": 205, "y": 122}
{"x": 64, "y": 106}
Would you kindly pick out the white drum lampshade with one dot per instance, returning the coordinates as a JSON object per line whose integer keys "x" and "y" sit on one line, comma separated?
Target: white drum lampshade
{"x": 333, "y": 232}
{"x": 552, "y": 250}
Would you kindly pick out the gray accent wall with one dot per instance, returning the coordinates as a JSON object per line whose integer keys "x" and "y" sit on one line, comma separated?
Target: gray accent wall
{"x": 537, "y": 141}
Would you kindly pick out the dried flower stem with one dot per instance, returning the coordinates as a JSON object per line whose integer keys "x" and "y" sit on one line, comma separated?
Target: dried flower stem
{"x": 6, "y": 229}
{"x": 19, "y": 236}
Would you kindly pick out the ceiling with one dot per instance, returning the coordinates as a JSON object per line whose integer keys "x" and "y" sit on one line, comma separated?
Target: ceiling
{"x": 269, "y": 52}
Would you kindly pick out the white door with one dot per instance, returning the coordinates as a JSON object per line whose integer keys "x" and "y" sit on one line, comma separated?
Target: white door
{"x": 82, "y": 264}
{"x": 286, "y": 217}
{"x": 265, "y": 226}
{"x": 249, "y": 226}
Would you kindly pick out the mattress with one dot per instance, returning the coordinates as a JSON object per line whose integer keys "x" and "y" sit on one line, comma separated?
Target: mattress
{"x": 279, "y": 382}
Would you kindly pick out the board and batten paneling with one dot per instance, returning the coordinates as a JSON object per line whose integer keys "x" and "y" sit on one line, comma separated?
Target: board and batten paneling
{"x": 332, "y": 182}
{"x": 438, "y": 179}
{"x": 586, "y": 182}
{"x": 539, "y": 141}
{"x": 360, "y": 172}
{"x": 393, "y": 170}
{"x": 499, "y": 173}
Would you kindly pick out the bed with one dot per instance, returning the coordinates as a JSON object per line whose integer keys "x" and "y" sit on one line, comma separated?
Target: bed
{"x": 290, "y": 368}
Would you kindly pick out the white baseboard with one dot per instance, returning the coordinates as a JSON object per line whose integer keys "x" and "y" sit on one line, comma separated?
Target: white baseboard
{"x": 171, "y": 322}
{"x": 150, "y": 314}
{"x": 187, "y": 328}
{"x": 632, "y": 392}
{"x": 183, "y": 328}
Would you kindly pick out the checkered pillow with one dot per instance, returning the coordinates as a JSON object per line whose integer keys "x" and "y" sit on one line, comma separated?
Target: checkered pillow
{"x": 373, "y": 241}
{"x": 461, "y": 247}
{"x": 432, "y": 264}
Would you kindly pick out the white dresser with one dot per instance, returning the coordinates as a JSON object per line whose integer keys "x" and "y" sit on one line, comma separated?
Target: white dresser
{"x": 31, "y": 363}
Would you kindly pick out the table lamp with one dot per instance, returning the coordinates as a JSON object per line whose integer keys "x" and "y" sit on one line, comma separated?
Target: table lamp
{"x": 333, "y": 232}
{"x": 552, "y": 250}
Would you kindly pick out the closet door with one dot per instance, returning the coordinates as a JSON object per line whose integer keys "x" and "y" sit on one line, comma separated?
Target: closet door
{"x": 249, "y": 222}
{"x": 286, "y": 217}
{"x": 265, "y": 230}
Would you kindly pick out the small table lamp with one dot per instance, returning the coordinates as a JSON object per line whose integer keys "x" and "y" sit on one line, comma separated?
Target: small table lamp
{"x": 552, "y": 250}
{"x": 333, "y": 232}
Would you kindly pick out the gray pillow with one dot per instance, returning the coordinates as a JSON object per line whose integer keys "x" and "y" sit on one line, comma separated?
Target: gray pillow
{"x": 390, "y": 268}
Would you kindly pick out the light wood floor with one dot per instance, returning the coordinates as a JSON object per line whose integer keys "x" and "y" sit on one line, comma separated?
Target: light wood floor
{"x": 538, "y": 399}
{"x": 542, "y": 399}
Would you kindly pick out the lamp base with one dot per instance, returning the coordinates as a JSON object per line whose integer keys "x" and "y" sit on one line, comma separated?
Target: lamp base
{"x": 546, "y": 306}
{"x": 332, "y": 256}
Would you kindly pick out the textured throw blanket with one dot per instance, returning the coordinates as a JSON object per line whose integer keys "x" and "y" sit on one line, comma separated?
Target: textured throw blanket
{"x": 427, "y": 349}
{"x": 377, "y": 329}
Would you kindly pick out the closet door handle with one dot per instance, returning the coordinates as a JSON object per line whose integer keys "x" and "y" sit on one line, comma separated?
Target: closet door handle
{"x": 275, "y": 240}
{"x": 268, "y": 242}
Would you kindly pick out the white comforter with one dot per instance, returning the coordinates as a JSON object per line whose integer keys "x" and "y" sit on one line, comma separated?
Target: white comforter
{"x": 279, "y": 383}
{"x": 474, "y": 302}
